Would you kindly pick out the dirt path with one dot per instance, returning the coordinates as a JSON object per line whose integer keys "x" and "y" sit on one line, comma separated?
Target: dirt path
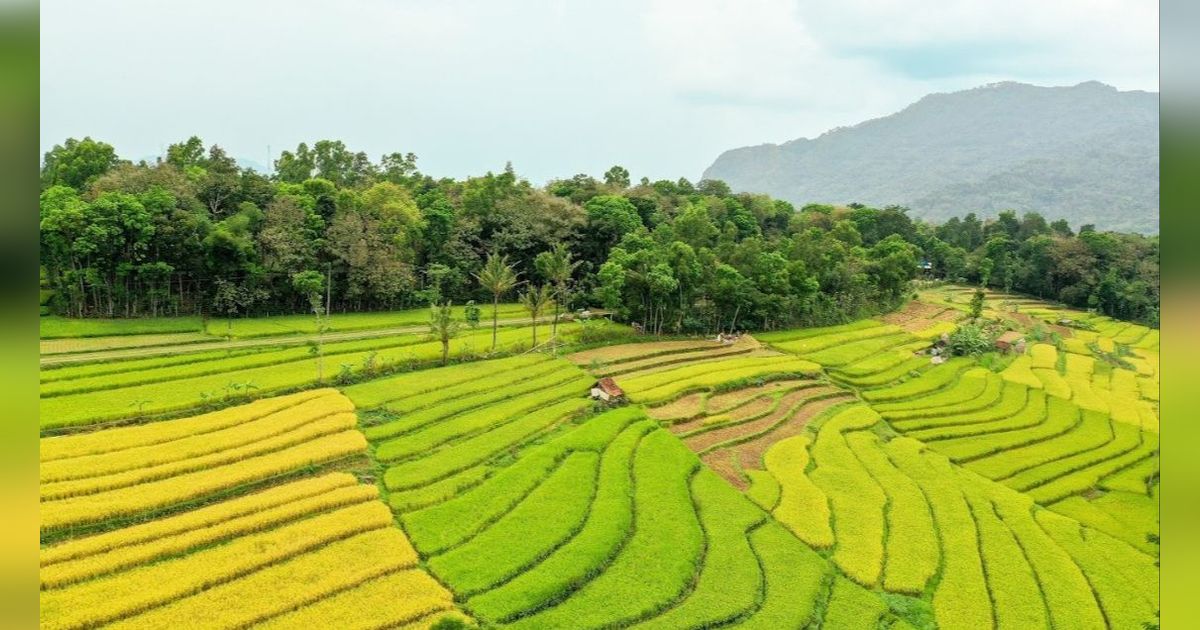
{"x": 257, "y": 342}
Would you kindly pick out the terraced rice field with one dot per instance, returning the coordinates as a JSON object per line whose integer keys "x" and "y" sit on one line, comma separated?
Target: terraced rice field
{"x": 236, "y": 518}
{"x": 828, "y": 477}
{"x": 541, "y": 519}
{"x": 104, "y": 392}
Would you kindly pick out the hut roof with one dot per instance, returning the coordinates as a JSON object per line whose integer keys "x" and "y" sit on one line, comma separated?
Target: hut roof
{"x": 610, "y": 387}
{"x": 1010, "y": 336}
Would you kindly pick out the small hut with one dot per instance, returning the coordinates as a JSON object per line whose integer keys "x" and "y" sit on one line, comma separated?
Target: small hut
{"x": 607, "y": 390}
{"x": 1011, "y": 341}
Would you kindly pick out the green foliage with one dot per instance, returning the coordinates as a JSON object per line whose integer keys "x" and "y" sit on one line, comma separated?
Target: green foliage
{"x": 970, "y": 339}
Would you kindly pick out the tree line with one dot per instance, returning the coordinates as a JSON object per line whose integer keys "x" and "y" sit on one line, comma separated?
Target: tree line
{"x": 194, "y": 233}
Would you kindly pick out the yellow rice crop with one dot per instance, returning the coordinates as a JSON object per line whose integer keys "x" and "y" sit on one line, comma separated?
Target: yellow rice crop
{"x": 154, "y": 453}
{"x": 398, "y": 598}
{"x": 117, "y": 596}
{"x": 136, "y": 475}
{"x": 159, "y": 432}
{"x": 1044, "y": 355}
{"x": 208, "y": 516}
{"x": 196, "y": 485}
{"x": 62, "y": 573}
{"x": 278, "y": 589}
{"x": 802, "y": 507}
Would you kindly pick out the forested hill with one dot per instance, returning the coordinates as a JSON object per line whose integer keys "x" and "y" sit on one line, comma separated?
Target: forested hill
{"x": 195, "y": 233}
{"x": 1087, "y": 153}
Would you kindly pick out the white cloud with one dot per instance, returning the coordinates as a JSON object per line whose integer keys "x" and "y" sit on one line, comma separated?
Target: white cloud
{"x": 557, "y": 87}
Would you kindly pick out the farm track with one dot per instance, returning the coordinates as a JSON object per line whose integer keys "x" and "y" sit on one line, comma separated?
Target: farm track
{"x": 255, "y": 342}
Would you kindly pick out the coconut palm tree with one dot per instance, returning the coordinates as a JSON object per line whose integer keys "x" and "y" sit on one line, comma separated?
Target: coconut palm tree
{"x": 498, "y": 277}
{"x": 556, "y": 266}
{"x": 535, "y": 300}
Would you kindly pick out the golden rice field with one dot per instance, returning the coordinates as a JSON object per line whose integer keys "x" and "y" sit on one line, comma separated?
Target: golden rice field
{"x": 814, "y": 478}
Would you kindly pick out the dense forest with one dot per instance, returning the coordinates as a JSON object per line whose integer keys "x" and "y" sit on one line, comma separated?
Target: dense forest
{"x": 195, "y": 233}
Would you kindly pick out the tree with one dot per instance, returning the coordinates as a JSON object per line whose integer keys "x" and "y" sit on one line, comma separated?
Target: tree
{"x": 230, "y": 299}
{"x": 311, "y": 284}
{"x": 471, "y": 313}
{"x": 443, "y": 327}
{"x": 535, "y": 301}
{"x": 609, "y": 218}
{"x": 557, "y": 267}
{"x": 74, "y": 163}
{"x": 617, "y": 177}
{"x": 190, "y": 152}
{"x": 498, "y": 277}
{"x": 977, "y": 304}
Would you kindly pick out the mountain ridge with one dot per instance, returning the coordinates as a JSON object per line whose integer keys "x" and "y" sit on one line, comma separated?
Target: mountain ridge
{"x": 1087, "y": 153}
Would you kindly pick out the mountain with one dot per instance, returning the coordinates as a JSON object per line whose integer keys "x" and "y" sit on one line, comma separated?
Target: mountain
{"x": 1087, "y": 153}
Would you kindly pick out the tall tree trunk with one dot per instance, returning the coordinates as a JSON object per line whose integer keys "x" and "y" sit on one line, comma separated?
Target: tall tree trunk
{"x": 554, "y": 324}
{"x": 495, "y": 316}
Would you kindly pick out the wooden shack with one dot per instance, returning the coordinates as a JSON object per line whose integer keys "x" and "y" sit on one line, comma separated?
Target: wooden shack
{"x": 607, "y": 390}
{"x": 1011, "y": 341}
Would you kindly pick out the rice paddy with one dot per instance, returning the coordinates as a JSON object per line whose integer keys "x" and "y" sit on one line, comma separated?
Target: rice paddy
{"x": 830, "y": 477}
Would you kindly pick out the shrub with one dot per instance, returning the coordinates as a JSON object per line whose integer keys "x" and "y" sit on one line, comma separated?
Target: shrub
{"x": 969, "y": 339}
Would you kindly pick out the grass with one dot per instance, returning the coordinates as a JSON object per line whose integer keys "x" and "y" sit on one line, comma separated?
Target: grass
{"x": 437, "y": 383}
{"x": 543, "y": 520}
{"x": 1044, "y": 356}
{"x": 665, "y": 528}
{"x": 665, "y": 386}
{"x": 794, "y": 578}
{"x": 977, "y": 388}
{"x": 802, "y": 507}
{"x": 1005, "y": 416}
{"x": 1092, "y": 432}
{"x": 476, "y": 450}
{"x": 932, "y": 380}
{"x": 568, "y": 567}
{"x": 394, "y": 600}
{"x": 1125, "y": 438}
{"x": 730, "y": 579}
{"x": 193, "y": 391}
{"x": 961, "y": 599}
{"x": 295, "y": 582}
{"x": 480, "y": 419}
{"x": 1015, "y": 593}
{"x": 56, "y": 327}
{"x": 119, "y": 473}
{"x": 805, "y": 333}
{"x": 1064, "y": 588}
{"x": 1124, "y": 580}
{"x": 1020, "y": 371}
{"x": 857, "y": 501}
{"x": 812, "y": 344}
{"x": 1100, "y": 514}
{"x": 114, "y": 597}
{"x": 911, "y": 547}
{"x": 846, "y": 353}
{"x": 132, "y": 500}
{"x": 1061, "y": 416}
{"x": 83, "y": 558}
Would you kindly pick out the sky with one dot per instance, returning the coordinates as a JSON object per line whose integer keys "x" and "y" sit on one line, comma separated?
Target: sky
{"x": 661, "y": 87}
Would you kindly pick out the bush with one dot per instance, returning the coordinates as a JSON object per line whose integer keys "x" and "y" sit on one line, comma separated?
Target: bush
{"x": 970, "y": 340}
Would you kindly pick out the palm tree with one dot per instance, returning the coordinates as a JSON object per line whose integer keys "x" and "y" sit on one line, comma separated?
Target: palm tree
{"x": 498, "y": 277}
{"x": 535, "y": 300}
{"x": 556, "y": 266}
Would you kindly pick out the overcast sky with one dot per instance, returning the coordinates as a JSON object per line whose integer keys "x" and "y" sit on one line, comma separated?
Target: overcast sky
{"x": 557, "y": 88}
